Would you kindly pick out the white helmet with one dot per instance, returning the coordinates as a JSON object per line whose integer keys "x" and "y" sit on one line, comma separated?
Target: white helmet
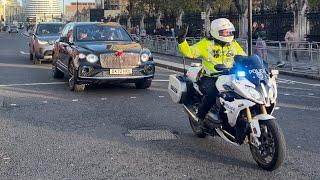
{"x": 217, "y": 27}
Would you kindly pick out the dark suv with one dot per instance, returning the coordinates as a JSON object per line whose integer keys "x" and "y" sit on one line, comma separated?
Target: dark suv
{"x": 101, "y": 52}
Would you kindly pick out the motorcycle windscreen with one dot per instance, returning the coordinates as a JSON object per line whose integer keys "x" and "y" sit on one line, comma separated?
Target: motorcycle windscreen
{"x": 254, "y": 67}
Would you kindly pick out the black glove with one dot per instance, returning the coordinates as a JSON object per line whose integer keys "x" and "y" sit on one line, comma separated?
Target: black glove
{"x": 182, "y": 34}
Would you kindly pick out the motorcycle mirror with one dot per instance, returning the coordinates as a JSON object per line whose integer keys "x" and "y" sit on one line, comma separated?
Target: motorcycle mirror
{"x": 220, "y": 67}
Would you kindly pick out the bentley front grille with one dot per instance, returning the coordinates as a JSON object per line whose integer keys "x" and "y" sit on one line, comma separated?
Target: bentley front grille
{"x": 128, "y": 60}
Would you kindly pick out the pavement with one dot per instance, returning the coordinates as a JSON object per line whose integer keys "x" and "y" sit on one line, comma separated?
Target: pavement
{"x": 119, "y": 132}
{"x": 176, "y": 63}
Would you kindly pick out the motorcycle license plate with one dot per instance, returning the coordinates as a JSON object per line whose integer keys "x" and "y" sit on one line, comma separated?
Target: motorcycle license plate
{"x": 120, "y": 71}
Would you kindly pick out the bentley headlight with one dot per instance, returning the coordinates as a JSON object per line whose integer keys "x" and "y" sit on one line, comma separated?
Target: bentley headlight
{"x": 91, "y": 58}
{"x": 144, "y": 57}
{"x": 82, "y": 56}
{"x": 42, "y": 42}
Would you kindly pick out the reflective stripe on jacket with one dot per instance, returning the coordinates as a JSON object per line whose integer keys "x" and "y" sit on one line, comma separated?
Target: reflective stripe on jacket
{"x": 212, "y": 53}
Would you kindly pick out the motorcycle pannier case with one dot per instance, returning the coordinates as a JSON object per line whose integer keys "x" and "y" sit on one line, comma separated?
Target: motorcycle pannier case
{"x": 177, "y": 88}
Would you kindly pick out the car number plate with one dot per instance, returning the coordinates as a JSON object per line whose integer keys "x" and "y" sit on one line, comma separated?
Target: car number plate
{"x": 120, "y": 71}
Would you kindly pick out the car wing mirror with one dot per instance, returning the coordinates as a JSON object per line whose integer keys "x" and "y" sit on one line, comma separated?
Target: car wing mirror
{"x": 63, "y": 39}
{"x": 137, "y": 39}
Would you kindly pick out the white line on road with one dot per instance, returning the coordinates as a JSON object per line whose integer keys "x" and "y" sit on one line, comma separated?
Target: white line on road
{"x": 103, "y": 99}
{"x": 161, "y": 96}
{"x": 22, "y": 52}
{"x": 31, "y": 84}
{"x": 293, "y": 88}
{"x": 297, "y": 82}
{"x": 295, "y": 106}
{"x": 75, "y": 100}
{"x": 160, "y": 80}
{"x": 133, "y": 97}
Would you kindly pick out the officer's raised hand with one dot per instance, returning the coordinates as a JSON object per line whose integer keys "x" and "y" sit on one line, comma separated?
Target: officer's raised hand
{"x": 182, "y": 34}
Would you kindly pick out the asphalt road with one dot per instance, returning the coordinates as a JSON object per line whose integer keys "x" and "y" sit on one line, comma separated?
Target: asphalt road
{"x": 119, "y": 132}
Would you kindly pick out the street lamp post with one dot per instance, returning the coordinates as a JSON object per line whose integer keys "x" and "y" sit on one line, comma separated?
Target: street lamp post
{"x": 77, "y": 12}
{"x": 249, "y": 27}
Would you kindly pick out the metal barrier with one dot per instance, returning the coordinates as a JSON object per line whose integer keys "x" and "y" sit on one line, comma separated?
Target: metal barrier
{"x": 274, "y": 52}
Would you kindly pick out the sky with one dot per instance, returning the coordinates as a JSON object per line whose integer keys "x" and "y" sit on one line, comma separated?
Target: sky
{"x": 69, "y": 1}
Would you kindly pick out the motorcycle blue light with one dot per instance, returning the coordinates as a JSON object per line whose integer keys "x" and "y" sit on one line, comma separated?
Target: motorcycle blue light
{"x": 241, "y": 74}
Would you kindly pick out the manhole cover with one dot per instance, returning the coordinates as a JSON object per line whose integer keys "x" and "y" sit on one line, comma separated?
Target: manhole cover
{"x": 151, "y": 135}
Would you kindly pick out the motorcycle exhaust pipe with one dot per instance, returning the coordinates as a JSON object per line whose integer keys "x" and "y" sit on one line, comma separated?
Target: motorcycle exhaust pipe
{"x": 191, "y": 114}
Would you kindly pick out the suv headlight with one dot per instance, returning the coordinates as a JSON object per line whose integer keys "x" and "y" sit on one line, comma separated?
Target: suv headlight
{"x": 91, "y": 58}
{"x": 144, "y": 57}
{"x": 82, "y": 56}
{"x": 42, "y": 42}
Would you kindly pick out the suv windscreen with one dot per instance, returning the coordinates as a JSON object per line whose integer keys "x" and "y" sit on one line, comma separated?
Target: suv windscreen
{"x": 100, "y": 32}
{"x": 49, "y": 29}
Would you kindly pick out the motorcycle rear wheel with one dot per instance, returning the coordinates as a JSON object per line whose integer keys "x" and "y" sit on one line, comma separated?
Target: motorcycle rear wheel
{"x": 196, "y": 128}
{"x": 272, "y": 151}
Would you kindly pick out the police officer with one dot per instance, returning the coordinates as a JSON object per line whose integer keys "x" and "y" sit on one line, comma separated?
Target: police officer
{"x": 220, "y": 48}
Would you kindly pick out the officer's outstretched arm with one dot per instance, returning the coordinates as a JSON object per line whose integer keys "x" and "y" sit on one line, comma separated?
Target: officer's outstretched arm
{"x": 193, "y": 51}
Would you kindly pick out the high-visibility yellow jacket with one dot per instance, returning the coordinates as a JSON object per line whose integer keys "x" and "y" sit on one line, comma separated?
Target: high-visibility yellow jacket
{"x": 212, "y": 53}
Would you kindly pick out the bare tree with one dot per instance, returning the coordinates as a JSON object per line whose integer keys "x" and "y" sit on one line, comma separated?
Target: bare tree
{"x": 242, "y": 8}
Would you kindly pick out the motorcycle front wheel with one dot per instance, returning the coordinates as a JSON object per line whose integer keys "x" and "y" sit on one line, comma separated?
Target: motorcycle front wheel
{"x": 271, "y": 153}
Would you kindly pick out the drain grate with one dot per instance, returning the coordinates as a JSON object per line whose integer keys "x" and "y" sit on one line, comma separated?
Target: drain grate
{"x": 151, "y": 135}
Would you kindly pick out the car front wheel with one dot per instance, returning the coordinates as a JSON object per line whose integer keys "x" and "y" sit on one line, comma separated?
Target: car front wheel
{"x": 73, "y": 84}
{"x": 143, "y": 84}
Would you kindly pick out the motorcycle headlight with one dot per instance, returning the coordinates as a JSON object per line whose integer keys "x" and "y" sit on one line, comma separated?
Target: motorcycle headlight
{"x": 144, "y": 57}
{"x": 91, "y": 58}
{"x": 254, "y": 93}
{"x": 43, "y": 42}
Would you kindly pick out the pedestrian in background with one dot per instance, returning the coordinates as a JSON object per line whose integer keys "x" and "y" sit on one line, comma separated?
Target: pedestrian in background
{"x": 254, "y": 30}
{"x": 291, "y": 39}
{"x": 261, "y": 46}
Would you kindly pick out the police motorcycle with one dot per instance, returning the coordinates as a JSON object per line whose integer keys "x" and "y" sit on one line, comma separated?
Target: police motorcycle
{"x": 243, "y": 110}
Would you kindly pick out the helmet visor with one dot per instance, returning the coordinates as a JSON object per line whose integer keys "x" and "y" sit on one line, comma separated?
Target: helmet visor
{"x": 226, "y": 32}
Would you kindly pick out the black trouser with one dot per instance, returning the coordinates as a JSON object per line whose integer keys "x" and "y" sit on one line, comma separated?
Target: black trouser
{"x": 210, "y": 91}
{"x": 294, "y": 53}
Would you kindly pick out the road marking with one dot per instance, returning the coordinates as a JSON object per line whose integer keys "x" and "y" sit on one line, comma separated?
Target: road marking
{"x": 45, "y": 102}
{"x": 31, "y": 84}
{"x": 22, "y": 52}
{"x": 13, "y": 104}
{"x": 298, "y": 95}
{"x": 23, "y": 66}
{"x": 293, "y": 88}
{"x": 133, "y": 97}
{"x": 297, "y": 82}
{"x": 160, "y": 80}
{"x": 75, "y": 100}
{"x": 161, "y": 96}
{"x": 298, "y": 107}
{"x": 277, "y": 108}
{"x": 103, "y": 99}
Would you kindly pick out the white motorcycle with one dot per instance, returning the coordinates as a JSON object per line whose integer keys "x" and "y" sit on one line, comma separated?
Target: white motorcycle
{"x": 243, "y": 109}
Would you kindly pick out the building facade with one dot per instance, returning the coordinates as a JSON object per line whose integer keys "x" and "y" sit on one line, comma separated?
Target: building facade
{"x": 10, "y": 11}
{"x": 42, "y": 10}
{"x": 112, "y": 5}
{"x": 83, "y": 13}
